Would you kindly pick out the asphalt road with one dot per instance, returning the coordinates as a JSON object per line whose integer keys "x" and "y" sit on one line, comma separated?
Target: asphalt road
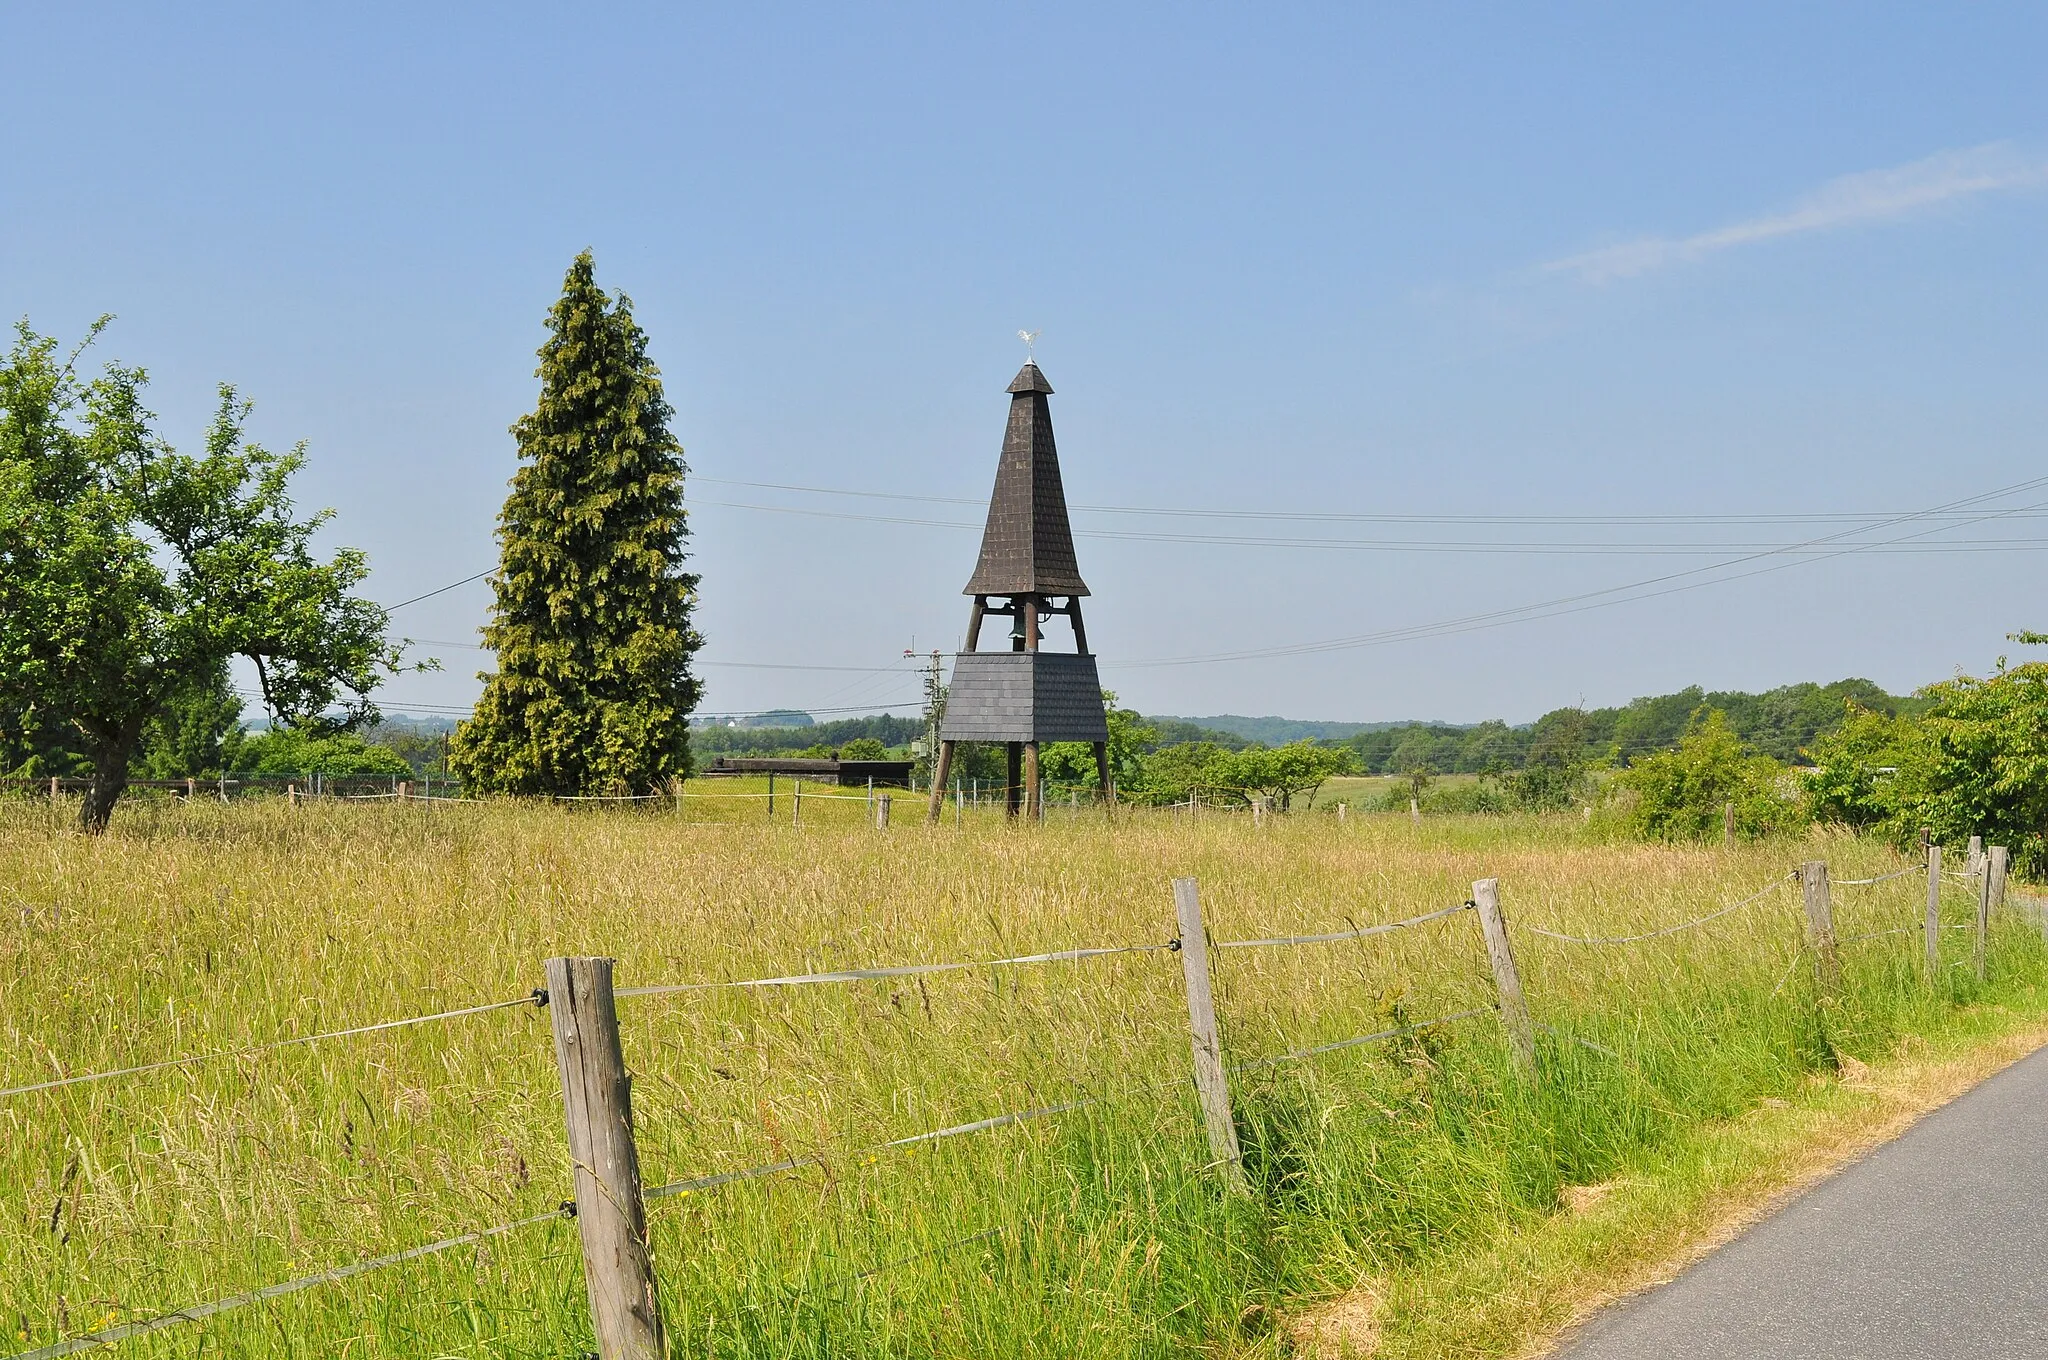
{"x": 1934, "y": 1245}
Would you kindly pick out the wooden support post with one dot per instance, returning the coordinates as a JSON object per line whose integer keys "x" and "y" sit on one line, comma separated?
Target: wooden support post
{"x": 291, "y": 795}
{"x": 1415, "y": 812}
{"x": 1820, "y": 923}
{"x": 1933, "y": 925}
{"x": 1212, "y": 1086}
{"x": 796, "y": 805}
{"x": 1102, "y": 779}
{"x": 1728, "y": 824}
{"x": 1258, "y": 812}
{"x": 191, "y": 788}
{"x": 882, "y": 812}
{"x": 618, "y": 1268}
{"x": 1343, "y": 811}
{"x": 1976, "y": 865}
{"x": 1507, "y": 979}
{"x": 1034, "y": 787}
{"x": 53, "y": 788}
{"x": 404, "y": 791}
{"x": 1013, "y": 762}
{"x": 771, "y": 795}
{"x": 941, "y": 771}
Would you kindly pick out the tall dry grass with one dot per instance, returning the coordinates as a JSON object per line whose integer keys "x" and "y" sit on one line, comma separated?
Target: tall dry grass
{"x": 1101, "y": 1232}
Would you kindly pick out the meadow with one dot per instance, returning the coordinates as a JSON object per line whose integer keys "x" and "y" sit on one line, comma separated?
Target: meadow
{"x": 1102, "y": 1231}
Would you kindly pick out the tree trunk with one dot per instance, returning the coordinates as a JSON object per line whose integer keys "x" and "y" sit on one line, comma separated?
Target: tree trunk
{"x": 110, "y": 757}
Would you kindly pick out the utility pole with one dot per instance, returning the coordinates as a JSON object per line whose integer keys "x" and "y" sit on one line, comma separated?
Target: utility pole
{"x": 934, "y": 698}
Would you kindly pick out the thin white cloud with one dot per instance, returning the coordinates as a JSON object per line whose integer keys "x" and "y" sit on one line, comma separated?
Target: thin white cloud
{"x": 1872, "y": 196}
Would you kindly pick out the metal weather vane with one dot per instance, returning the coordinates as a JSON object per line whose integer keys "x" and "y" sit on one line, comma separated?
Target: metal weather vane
{"x": 1030, "y": 339}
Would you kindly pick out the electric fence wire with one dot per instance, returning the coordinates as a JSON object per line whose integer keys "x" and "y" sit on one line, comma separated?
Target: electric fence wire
{"x": 903, "y": 970}
{"x": 536, "y": 998}
{"x": 1694, "y": 924}
{"x": 194, "y": 1313}
{"x": 1355, "y": 933}
{"x": 1881, "y": 878}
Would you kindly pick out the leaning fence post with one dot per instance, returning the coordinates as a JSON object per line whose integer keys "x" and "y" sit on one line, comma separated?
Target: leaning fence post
{"x": 881, "y": 812}
{"x": 1820, "y": 922}
{"x": 618, "y": 1268}
{"x": 1990, "y": 895}
{"x": 1933, "y": 929}
{"x": 1507, "y": 979}
{"x": 1211, "y": 1085}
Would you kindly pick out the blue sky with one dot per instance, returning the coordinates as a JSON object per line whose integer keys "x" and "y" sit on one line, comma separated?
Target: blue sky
{"x": 1487, "y": 266}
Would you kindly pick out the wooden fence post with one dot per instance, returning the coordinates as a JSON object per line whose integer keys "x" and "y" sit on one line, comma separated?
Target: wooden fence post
{"x": 1258, "y": 812}
{"x": 881, "y": 812}
{"x": 771, "y": 795}
{"x": 796, "y": 805}
{"x": 1933, "y": 927}
{"x": 1990, "y": 894}
{"x": 1728, "y": 824}
{"x": 1976, "y": 865}
{"x": 1820, "y": 922}
{"x": 53, "y": 788}
{"x": 1211, "y": 1085}
{"x": 1507, "y": 979}
{"x": 618, "y": 1268}
{"x": 1343, "y": 811}
{"x": 1415, "y": 812}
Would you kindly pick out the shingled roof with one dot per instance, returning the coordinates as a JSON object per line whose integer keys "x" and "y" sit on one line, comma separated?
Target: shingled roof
{"x": 1028, "y": 546}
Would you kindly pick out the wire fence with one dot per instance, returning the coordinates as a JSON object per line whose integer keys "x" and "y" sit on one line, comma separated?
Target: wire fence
{"x": 1509, "y": 1009}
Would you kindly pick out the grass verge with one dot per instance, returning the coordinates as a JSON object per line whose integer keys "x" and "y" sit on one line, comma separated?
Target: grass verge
{"x": 1522, "y": 1291}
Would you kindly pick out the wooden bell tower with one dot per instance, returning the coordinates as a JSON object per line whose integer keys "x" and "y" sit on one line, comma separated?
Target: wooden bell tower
{"x": 1025, "y": 696}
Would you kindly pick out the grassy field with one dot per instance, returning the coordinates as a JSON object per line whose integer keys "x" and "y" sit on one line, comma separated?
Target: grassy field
{"x": 1100, "y": 1232}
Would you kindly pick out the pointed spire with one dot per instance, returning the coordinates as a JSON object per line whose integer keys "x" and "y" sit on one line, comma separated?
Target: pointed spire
{"x": 1028, "y": 546}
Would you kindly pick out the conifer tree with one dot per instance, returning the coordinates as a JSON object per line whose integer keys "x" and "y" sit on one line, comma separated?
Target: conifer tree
{"x": 591, "y": 625}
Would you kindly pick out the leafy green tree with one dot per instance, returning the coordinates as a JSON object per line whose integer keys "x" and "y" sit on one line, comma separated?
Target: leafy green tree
{"x": 1279, "y": 773}
{"x": 1856, "y": 776}
{"x": 863, "y": 748}
{"x": 1680, "y": 794}
{"x": 591, "y": 623}
{"x": 294, "y": 750}
{"x": 198, "y": 732}
{"x": 1976, "y": 763}
{"x": 1555, "y": 774}
{"x": 130, "y": 574}
{"x": 1072, "y": 763}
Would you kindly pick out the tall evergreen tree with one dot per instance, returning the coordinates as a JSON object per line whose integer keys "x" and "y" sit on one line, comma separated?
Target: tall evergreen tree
{"x": 593, "y": 689}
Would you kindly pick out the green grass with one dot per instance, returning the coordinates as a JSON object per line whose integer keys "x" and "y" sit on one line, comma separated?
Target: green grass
{"x": 208, "y": 927}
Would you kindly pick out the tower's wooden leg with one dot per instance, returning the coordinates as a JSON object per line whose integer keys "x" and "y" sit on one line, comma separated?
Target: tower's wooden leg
{"x": 1102, "y": 774}
{"x": 941, "y": 768}
{"x": 1034, "y": 792}
{"x": 1013, "y": 783}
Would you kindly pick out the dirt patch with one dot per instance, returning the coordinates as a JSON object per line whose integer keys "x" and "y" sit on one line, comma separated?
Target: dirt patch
{"x": 1344, "y": 1328}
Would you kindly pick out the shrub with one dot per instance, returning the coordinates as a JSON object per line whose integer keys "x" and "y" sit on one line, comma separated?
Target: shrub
{"x": 288, "y": 750}
{"x": 1681, "y": 794}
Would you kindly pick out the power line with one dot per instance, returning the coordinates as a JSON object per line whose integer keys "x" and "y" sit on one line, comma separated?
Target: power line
{"x": 1325, "y": 516}
{"x": 1483, "y": 547}
{"x": 1594, "y": 599}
